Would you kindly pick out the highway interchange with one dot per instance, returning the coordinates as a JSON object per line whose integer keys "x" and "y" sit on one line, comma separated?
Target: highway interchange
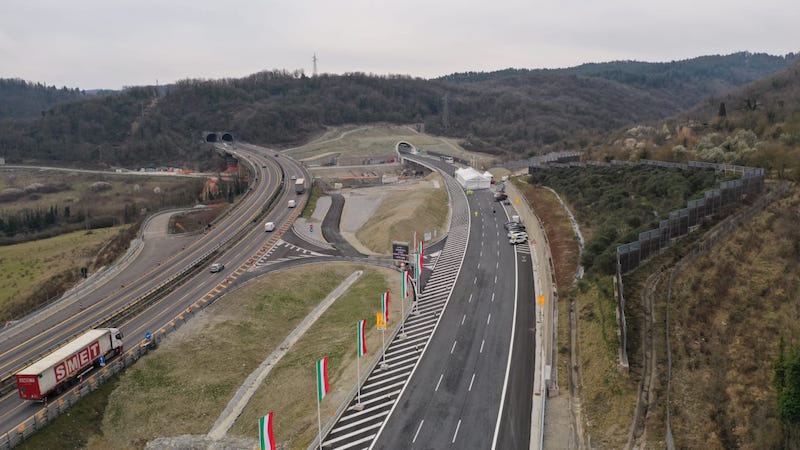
{"x": 470, "y": 385}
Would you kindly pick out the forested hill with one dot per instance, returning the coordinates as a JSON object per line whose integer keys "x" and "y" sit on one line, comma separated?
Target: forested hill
{"x": 768, "y": 104}
{"x": 684, "y": 83}
{"x": 517, "y": 114}
{"x": 20, "y": 99}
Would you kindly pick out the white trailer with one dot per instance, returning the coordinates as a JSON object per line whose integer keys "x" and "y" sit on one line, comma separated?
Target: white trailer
{"x": 300, "y": 185}
{"x": 57, "y": 369}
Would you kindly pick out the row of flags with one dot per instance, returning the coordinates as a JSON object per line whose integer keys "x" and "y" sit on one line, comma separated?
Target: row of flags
{"x": 266, "y": 437}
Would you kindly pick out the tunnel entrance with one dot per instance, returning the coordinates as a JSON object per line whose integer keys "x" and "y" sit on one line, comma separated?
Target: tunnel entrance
{"x": 227, "y": 137}
{"x": 212, "y": 137}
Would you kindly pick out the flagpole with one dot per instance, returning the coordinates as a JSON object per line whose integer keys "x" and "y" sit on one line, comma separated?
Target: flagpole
{"x": 418, "y": 276}
{"x": 402, "y": 308}
{"x": 384, "y": 366}
{"x": 358, "y": 385}
{"x": 319, "y": 419}
{"x": 358, "y": 406}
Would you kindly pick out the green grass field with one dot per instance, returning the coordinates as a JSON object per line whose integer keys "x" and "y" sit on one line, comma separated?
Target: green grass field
{"x": 25, "y": 266}
{"x": 183, "y": 386}
{"x": 376, "y": 140}
{"x": 420, "y": 208}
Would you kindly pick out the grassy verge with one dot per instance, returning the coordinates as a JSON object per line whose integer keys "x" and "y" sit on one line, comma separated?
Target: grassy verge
{"x": 183, "y": 386}
{"x": 420, "y": 208}
{"x": 290, "y": 390}
{"x": 314, "y": 195}
{"x": 27, "y": 267}
{"x": 73, "y": 429}
{"x": 609, "y": 395}
{"x": 564, "y": 249}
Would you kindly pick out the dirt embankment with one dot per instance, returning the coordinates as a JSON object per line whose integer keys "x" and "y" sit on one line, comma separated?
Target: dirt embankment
{"x": 728, "y": 312}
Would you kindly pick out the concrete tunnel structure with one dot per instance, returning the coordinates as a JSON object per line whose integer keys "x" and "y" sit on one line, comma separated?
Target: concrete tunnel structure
{"x": 217, "y": 136}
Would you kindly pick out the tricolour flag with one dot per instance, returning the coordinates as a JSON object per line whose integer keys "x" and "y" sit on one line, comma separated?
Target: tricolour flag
{"x": 362, "y": 338}
{"x": 265, "y": 432}
{"x": 385, "y": 307}
{"x": 420, "y": 255}
{"x": 322, "y": 378}
{"x": 405, "y": 284}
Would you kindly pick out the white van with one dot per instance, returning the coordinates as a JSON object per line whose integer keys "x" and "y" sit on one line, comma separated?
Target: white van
{"x": 292, "y": 204}
{"x": 269, "y": 226}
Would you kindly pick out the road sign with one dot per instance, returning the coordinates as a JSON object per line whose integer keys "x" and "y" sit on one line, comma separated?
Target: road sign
{"x": 311, "y": 228}
{"x": 400, "y": 250}
{"x": 148, "y": 335}
{"x": 380, "y": 322}
{"x": 102, "y": 361}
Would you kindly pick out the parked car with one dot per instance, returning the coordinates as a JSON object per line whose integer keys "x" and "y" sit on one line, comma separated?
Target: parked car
{"x": 518, "y": 240}
{"x": 517, "y": 233}
{"x": 216, "y": 267}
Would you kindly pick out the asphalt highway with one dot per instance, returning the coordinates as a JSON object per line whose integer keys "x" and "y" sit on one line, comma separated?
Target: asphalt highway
{"x": 453, "y": 399}
{"x": 39, "y": 334}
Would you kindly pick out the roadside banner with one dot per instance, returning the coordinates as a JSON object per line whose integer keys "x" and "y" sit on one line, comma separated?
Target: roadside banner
{"x": 322, "y": 378}
{"x": 362, "y": 341}
{"x": 266, "y": 438}
{"x": 385, "y": 307}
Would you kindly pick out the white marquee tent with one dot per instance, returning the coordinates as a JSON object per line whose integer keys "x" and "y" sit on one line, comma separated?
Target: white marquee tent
{"x": 470, "y": 178}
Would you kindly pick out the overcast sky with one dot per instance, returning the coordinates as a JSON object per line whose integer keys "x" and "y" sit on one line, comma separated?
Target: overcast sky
{"x": 114, "y": 43}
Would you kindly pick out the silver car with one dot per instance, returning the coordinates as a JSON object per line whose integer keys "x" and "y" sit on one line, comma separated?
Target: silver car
{"x": 518, "y": 240}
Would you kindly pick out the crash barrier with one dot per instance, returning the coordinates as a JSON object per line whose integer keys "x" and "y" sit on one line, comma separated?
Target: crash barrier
{"x": 37, "y": 421}
{"x": 50, "y": 411}
{"x": 715, "y": 203}
{"x": 719, "y": 231}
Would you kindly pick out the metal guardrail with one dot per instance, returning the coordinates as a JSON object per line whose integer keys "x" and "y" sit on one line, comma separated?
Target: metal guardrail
{"x": 37, "y": 421}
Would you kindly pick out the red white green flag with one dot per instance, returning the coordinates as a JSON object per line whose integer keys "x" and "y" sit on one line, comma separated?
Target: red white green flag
{"x": 362, "y": 338}
{"x": 405, "y": 284}
{"x": 419, "y": 260}
{"x": 265, "y": 432}
{"x": 322, "y": 378}
{"x": 385, "y": 306}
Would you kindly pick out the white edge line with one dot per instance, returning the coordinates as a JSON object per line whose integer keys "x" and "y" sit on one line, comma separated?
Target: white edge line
{"x": 425, "y": 349}
{"x": 510, "y": 352}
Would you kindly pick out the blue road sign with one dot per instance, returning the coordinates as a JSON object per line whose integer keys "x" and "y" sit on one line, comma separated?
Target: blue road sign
{"x": 102, "y": 361}
{"x": 148, "y": 335}
{"x": 311, "y": 228}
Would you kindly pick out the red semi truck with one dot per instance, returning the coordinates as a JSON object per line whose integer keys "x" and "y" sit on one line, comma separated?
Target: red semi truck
{"x": 57, "y": 369}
